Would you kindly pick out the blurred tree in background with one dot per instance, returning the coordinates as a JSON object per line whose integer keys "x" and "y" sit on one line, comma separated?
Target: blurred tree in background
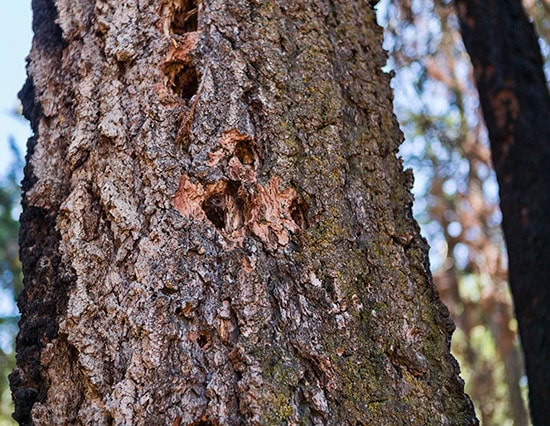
{"x": 10, "y": 276}
{"x": 457, "y": 197}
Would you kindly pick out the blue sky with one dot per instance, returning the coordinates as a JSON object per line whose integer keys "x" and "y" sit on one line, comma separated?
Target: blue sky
{"x": 15, "y": 43}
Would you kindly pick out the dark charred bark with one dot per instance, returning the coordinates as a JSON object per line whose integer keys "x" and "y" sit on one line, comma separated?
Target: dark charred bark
{"x": 508, "y": 70}
{"x": 46, "y": 278}
{"x": 226, "y": 228}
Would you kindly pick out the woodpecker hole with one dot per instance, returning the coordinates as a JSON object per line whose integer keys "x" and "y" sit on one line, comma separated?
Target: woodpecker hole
{"x": 186, "y": 17}
{"x": 214, "y": 208}
{"x": 203, "y": 340}
{"x": 244, "y": 152}
{"x": 168, "y": 291}
{"x": 298, "y": 212}
{"x": 186, "y": 82}
{"x": 224, "y": 208}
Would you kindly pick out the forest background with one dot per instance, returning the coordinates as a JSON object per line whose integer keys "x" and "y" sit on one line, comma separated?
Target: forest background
{"x": 456, "y": 194}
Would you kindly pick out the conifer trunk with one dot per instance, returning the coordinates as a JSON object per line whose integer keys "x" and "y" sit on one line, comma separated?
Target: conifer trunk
{"x": 216, "y": 229}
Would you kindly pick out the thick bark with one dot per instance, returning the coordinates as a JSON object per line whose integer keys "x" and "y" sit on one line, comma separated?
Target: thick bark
{"x": 216, "y": 228}
{"x": 508, "y": 69}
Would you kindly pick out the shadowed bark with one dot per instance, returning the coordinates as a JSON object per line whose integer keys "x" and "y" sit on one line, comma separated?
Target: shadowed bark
{"x": 508, "y": 70}
{"x": 216, "y": 228}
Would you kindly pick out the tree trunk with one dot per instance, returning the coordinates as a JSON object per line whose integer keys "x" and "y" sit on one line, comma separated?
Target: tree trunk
{"x": 216, "y": 228}
{"x": 508, "y": 70}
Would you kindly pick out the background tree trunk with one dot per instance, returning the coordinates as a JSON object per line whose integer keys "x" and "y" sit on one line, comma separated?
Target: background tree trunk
{"x": 216, "y": 228}
{"x": 508, "y": 70}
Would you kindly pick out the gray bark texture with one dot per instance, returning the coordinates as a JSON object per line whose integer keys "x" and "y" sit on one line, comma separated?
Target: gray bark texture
{"x": 216, "y": 228}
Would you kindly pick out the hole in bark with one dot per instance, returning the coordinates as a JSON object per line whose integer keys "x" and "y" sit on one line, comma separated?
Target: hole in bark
{"x": 298, "y": 212}
{"x": 214, "y": 208}
{"x": 224, "y": 207}
{"x": 168, "y": 291}
{"x": 244, "y": 152}
{"x": 203, "y": 340}
{"x": 186, "y": 82}
{"x": 186, "y": 18}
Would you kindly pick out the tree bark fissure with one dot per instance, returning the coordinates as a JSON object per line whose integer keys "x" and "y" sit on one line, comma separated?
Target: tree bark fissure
{"x": 223, "y": 184}
{"x": 508, "y": 69}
